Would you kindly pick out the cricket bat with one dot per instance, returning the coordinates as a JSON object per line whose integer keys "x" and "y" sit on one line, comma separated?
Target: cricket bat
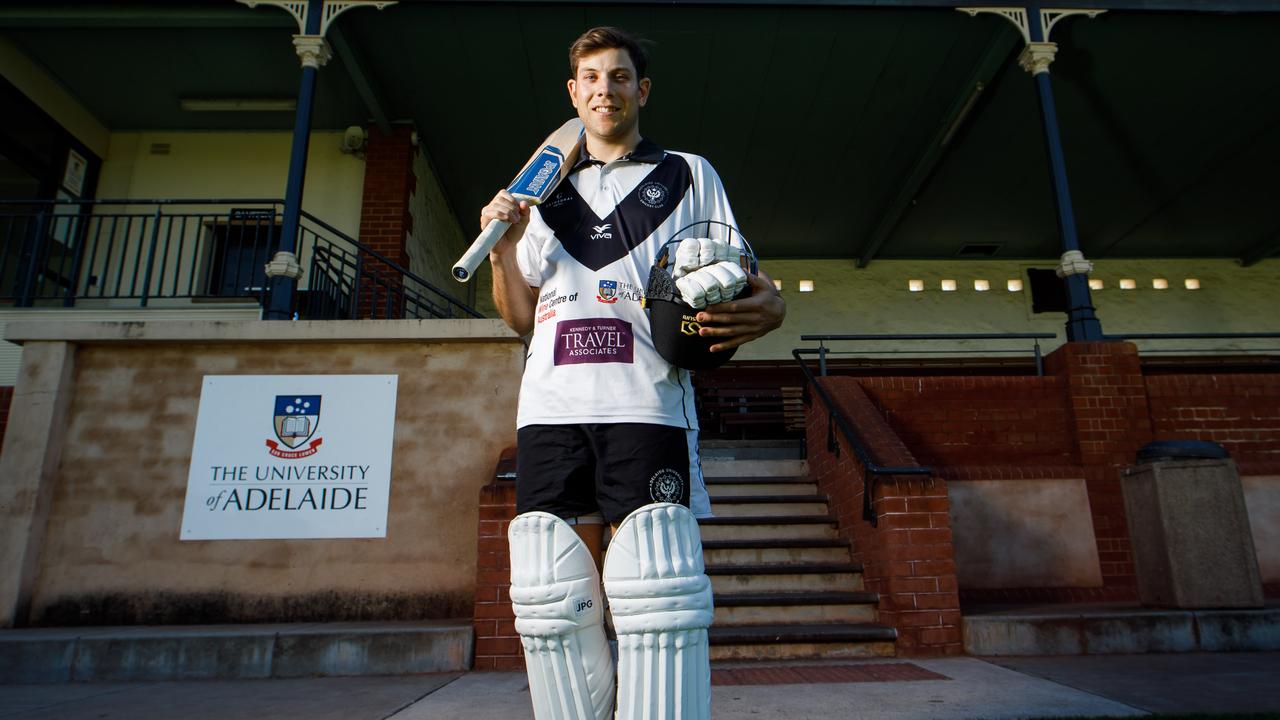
{"x": 534, "y": 184}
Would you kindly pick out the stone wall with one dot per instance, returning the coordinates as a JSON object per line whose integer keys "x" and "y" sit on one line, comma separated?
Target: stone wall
{"x": 111, "y": 553}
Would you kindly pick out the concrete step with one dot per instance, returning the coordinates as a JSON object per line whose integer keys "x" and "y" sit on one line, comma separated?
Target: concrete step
{"x": 790, "y": 642}
{"x": 751, "y": 552}
{"x": 762, "y": 528}
{"x": 720, "y": 467}
{"x": 207, "y": 652}
{"x": 807, "y": 577}
{"x": 795, "y": 608}
{"x": 752, "y": 449}
{"x": 735, "y": 487}
{"x": 1109, "y": 628}
{"x": 768, "y": 505}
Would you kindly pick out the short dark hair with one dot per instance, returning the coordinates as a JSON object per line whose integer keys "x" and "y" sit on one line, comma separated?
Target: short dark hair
{"x": 601, "y": 38}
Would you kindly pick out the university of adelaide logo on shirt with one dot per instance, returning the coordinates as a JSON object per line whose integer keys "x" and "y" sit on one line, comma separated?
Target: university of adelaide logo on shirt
{"x": 608, "y": 292}
{"x": 594, "y": 340}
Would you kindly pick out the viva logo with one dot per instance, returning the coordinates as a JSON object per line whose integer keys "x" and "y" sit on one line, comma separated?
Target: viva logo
{"x": 602, "y": 232}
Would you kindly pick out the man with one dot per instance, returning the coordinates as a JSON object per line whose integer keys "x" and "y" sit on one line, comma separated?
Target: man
{"x": 606, "y": 427}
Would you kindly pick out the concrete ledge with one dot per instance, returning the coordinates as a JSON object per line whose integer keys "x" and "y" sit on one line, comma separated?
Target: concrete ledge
{"x": 237, "y": 331}
{"x": 1104, "y": 630}
{"x": 58, "y": 655}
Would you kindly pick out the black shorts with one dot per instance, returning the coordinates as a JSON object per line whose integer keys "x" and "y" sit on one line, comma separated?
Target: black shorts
{"x": 610, "y": 468}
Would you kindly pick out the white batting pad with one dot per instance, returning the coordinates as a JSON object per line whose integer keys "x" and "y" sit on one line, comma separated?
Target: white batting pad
{"x": 660, "y": 598}
{"x": 555, "y": 592}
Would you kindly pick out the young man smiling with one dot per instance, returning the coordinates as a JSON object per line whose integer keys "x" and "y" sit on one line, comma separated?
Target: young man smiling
{"x": 606, "y": 426}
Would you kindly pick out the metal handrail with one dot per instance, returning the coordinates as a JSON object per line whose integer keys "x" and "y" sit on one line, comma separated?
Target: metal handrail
{"x": 1194, "y": 336}
{"x": 836, "y": 419}
{"x": 822, "y": 351}
{"x": 402, "y": 270}
{"x": 145, "y": 250}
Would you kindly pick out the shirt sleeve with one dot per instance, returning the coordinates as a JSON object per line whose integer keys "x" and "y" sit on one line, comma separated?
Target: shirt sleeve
{"x": 713, "y": 202}
{"x": 529, "y": 251}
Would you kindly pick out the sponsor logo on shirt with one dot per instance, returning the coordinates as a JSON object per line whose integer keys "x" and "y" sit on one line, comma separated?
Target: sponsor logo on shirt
{"x": 548, "y": 301}
{"x": 653, "y": 194}
{"x": 558, "y": 198}
{"x": 608, "y": 292}
{"x": 602, "y": 232}
{"x": 593, "y": 340}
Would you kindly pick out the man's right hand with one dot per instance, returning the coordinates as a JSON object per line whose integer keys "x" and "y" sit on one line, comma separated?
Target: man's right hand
{"x": 505, "y": 207}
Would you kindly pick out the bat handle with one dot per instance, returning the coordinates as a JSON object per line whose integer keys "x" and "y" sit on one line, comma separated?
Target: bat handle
{"x": 479, "y": 250}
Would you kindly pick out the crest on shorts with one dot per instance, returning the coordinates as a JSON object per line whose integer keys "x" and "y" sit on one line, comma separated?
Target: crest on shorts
{"x": 666, "y": 485}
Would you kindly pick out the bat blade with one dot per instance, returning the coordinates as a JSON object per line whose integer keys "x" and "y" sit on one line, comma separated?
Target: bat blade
{"x": 535, "y": 182}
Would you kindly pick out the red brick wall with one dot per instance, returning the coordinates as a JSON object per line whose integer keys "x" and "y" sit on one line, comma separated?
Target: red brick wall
{"x": 977, "y": 420}
{"x": 388, "y": 183}
{"x": 497, "y": 645}
{"x": 385, "y": 220}
{"x": 1110, "y": 419}
{"x": 6, "y": 399}
{"x": 1241, "y": 412}
{"x": 907, "y": 557}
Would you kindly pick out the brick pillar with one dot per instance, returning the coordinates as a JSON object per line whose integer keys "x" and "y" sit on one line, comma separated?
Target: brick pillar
{"x": 385, "y": 220}
{"x": 1110, "y": 420}
{"x": 497, "y": 645}
{"x": 908, "y": 556}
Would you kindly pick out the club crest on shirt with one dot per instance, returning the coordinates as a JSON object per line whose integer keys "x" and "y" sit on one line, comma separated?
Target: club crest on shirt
{"x": 652, "y": 194}
{"x": 608, "y": 292}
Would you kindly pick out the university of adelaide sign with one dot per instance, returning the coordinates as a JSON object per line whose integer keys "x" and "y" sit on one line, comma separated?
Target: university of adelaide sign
{"x": 291, "y": 456}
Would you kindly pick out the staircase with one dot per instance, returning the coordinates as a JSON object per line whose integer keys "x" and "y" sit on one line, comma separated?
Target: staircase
{"x": 785, "y": 584}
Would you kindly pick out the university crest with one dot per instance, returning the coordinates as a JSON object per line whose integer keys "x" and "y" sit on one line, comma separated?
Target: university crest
{"x": 297, "y": 417}
{"x": 608, "y": 292}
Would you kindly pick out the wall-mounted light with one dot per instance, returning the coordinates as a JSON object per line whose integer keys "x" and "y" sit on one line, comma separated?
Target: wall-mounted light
{"x": 1096, "y": 284}
{"x": 1160, "y": 283}
{"x": 915, "y": 285}
{"x": 948, "y": 286}
{"x": 981, "y": 285}
{"x": 1128, "y": 284}
{"x": 806, "y": 286}
{"x": 1014, "y": 285}
{"x": 777, "y": 285}
{"x": 1192, "y": 283}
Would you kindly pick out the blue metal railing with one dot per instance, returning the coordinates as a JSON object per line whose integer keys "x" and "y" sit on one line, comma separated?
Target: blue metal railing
{"x": 822, "y": 351}
{"x": 174, "y": 252}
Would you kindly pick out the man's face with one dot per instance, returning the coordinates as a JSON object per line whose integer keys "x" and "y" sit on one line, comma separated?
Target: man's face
{"x": 607, "y": 93}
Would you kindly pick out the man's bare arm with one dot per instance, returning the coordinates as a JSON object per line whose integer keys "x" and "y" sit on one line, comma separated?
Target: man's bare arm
{"x": 511, "y": 292}
{"x": 740, "y": 321}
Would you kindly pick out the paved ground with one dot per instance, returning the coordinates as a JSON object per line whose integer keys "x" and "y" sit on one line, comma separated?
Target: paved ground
{"x": 974, "y": 688}
{"x": 1176, "y": 683}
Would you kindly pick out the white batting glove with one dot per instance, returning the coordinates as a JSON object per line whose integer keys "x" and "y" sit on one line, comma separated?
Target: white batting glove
{"x": 718, "y": 283}
{"x": 695, "y": 253}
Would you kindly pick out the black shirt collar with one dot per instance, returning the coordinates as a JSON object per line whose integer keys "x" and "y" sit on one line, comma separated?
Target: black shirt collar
{"x": 646, "y": 152}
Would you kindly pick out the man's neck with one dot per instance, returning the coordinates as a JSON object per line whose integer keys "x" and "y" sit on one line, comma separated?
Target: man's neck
{"x": 608, "y": 150}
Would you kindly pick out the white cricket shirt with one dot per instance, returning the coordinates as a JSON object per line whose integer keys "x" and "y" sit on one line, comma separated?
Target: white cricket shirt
{"x": 588, "y": 249}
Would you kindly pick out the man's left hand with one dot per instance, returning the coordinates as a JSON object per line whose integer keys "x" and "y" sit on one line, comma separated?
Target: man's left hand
{"x": 741, "y": 321}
